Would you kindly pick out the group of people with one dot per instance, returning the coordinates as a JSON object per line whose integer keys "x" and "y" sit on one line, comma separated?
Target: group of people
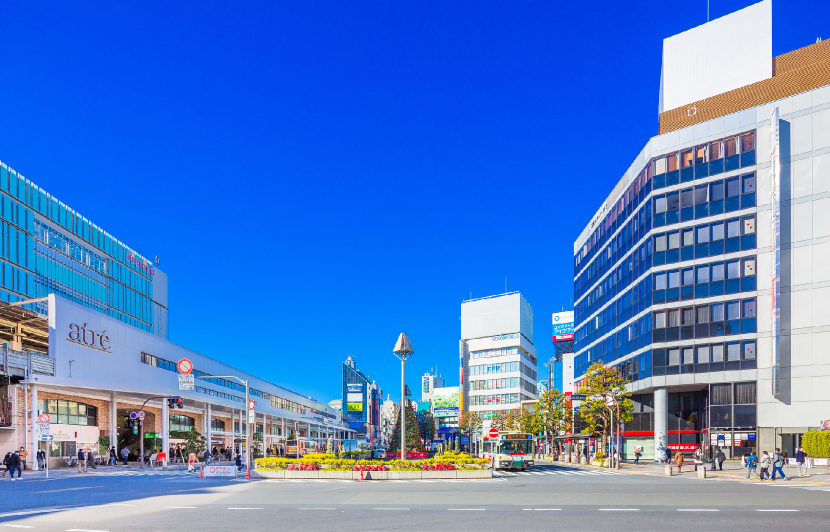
{"x": 17, "y": 461}
{"x": 753, "y": 462}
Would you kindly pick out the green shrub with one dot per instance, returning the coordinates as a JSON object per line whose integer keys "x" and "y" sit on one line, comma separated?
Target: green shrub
{"x": 816, "y": 443}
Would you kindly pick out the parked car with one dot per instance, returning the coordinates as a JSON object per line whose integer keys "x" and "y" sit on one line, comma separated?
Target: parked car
{"x": 380, "y": 453}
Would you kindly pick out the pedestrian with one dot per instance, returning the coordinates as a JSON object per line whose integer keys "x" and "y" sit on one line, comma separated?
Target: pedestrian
{"x": 7, "y": 463}
{"x": 751, "y": 464}
{"x": 765, "y": 463}
{"x": 14, "y": 463}
{"x": 24, "y": 454}
{"x": 192, "y": 461}
{"x": 81, "y": 460}
{"x": 667, "y": 455}
{"x": 113, "y": 460}
{"x": 678, "y": 459}
{"x": 698, "y": 458}
{"x": 720, "y": 457}
{"x": 778, "y": 464}
{"x": 41, "y": 458}
{"x": 124, "y": 454}
{"x": 239, "y": 462}
{"x": 179, "y": 457}
{"x": 90, "y": 459}
{"x": 638, "y": 452}
{"x": 801, "y": 462}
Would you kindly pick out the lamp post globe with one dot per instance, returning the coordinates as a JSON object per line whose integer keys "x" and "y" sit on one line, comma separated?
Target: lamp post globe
{"x": 403, "y": 350}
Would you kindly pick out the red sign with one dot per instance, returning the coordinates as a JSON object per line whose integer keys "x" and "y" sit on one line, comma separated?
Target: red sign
{"x": 561, "y": 337}
{"x": 825, "y": 425}
{"x": 683, "y": 447}
{"x": 494, "y": 433}
{"x": 251, "y": 404}
{"x": 409, "y": 455}
{"x": 45, "y": 418}
{"x": 185, "y": 366}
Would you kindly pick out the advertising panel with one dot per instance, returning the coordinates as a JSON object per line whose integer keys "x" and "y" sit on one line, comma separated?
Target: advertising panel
{"x": 445, "y": 401}
{"x": 775, "y": 174}
{"x": 563, "y": 326}
{"x": 356, "y": 388}
{"x": 354, "y": 398}
{"x": 354, "y": 407}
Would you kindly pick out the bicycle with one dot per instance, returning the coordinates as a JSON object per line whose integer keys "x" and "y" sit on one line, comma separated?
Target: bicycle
{"x": 70, "y": 461}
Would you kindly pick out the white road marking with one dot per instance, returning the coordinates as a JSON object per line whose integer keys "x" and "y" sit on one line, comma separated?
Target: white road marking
{"x": 238, "y": 508}
{"x": 542, "y": 509}
{"x": 317, "y": 508}
{"x": 18, "y": 526}
{"x": 118, "y": 504}
{"x": 773, "y": 510}
{"x": 390, "y": 508}
{"x": 698, "y": 510}
{"x": 181, "y": 507}
{"x": 69, "y": 489}
{"x": 84, "y": 530}
{"x": 619, "y": 509}
{"x": 466, "y": 509}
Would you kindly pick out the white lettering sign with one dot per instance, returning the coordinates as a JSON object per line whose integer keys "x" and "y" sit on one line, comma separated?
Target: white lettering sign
{"x": 187, "y": 382}
{"x": 220, "y": 471}
{"x": 80, "y": 334}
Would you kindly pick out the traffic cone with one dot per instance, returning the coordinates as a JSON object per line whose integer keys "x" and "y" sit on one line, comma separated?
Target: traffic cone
{"x": 361, "y": 475}
{"x": 247, "y": 472}
{"x": 201, "y": 472}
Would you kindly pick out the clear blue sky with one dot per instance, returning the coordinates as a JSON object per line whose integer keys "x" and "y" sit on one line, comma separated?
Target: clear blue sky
{"x": 320, "y": 176}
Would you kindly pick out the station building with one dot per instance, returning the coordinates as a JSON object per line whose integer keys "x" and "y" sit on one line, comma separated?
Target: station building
{"x": 83, "y": 326}
{"x": 703, "y": 276}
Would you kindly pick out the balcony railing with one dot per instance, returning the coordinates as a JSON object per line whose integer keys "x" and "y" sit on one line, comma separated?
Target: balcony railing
{"x": 25, "y": 363}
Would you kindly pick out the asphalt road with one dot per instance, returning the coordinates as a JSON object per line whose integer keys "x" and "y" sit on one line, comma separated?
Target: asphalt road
{"x": 548, "y": 498}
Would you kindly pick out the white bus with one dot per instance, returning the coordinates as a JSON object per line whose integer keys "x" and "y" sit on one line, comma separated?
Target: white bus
{"x": 510, "y": 451}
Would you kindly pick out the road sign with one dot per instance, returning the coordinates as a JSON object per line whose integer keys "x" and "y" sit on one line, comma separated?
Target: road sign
{"x": 187, "y": 382}
{"x": 251, "y": 416}
{"x": 133, "y": 415}
{"x": 45, "y": 418}
{"x": 46, "y": 437}
{"x": 141, "y": 414}
{"x": 44, "y": 428}
{"x": 494, "y": 433}
{"x": 185, "y": 366}
{"x": 251, "y": 404}
{"x": 220, "y": 471}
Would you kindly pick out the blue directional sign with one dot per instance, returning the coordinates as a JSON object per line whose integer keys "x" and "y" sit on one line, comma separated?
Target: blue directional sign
{"x": 46, "y": 437}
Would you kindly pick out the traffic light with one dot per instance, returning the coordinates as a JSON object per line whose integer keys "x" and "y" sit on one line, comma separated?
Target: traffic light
{"x": 175, "y": 402}
{"x": 134, "y": 426}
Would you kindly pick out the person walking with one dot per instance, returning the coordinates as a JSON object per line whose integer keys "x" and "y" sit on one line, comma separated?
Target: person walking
{"x": 751, "y": 464}
{"x": 698, "y": 458}
{"x": 81, "y": 460}
{"x": 238, "y": 462}
{"x": 113, "y": 457}
{"x": 765, "y": 463}
{"x": 179, "y": 458}
{"x": 678, "y": 459}
{"x": 24, "y": 454}
{"x": 41, "y": 458}
{"x": 778, "y": 464}
{"x": 7, "y": 463}
{"x": 90, "y": 459}
{"x": 124, "y": 454}
{"x": 638, "y": 452}
{"x": 192, "y": 461}
{"x": 719, "y": 458}
{"x": 14, "y": 463}
{"x": 801, "y": 462}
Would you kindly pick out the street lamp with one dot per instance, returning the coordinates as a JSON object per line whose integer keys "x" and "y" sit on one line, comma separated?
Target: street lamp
{"x": 403, "y": 350}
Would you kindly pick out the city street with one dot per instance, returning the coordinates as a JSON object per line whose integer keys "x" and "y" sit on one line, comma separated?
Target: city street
{"x": 547, "y": 498}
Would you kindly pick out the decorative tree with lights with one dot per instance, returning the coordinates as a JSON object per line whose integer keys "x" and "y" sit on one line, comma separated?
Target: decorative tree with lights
{"x": 414, "y": 442}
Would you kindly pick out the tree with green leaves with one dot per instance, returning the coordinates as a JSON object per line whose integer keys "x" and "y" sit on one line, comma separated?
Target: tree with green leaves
{"x": 526, "y": 422}
{"x": 328, "y": 446}
{"x": 426, "y": 424}
{"x": 500, "y": 420}
{"x": 604, "y": 389}
{"x": 194, "y": 442}
{"x": 413, "y": 435}
{"x": 554, "y": 413}
{"x": 469, "y": 424}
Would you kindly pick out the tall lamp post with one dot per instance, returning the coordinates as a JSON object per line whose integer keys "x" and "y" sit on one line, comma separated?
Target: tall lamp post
{"x": 403, "y": 350}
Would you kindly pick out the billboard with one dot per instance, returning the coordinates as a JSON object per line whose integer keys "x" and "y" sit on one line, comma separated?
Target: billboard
{"x": 354, "y": 407}
{"x": 563, "y": 326}
{"x": 357, "y": 388}
{"x": 775, "y": 174}
{"x": 445, "y": 401}
{"x": 354, "y": 397}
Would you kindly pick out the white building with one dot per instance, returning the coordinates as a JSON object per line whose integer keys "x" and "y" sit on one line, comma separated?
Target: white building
{"x": 429, "y": 382}
{"x": 497, "y": 357}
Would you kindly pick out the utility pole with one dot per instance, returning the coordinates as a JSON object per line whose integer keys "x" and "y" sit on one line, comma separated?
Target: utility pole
{"x": 403, "y": 350}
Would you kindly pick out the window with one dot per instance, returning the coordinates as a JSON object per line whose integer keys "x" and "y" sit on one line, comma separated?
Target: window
{"x": 674, "y": 357}
{"x": 733, "y": 269}
{"x": 748, "y": 183}
{"x": 673, "y": 201}
{"x": 703, "y": 354}
{"x": 660, "y": 243}
{"x": 747, "y": 142}
{"x": 671, "y": 160}
{"x": 733, "y": 228}
{"x": 749, "y": 225}
{"x": 689, "y": 316}
{"x": 749, "y": 267}
{"x": 674, "y": 318}
{"x": 749, "y": 308}
{"x": 659, "y": 320}
{"x": 717, "y": 272}
{"x": 703, "y": 234}
{"x": 717, "y": 312}
{"x": 687, "y": 198}
{"x": 703, "y": 314}
{"x": 688, "y": 355}
{"x": 660, "y": 166}
{"x": 717, "y": 231}
{"x": 674, "y": 279}
{"x": 733, "y": 187}
{"x": 702, "y": 274}
{"x": 674, "y": 240}
{"x": 700, "y": 154}
{"x": 733, "y": 310}
{"x": 749, "y": 351}
{"x": 716, "y": 191}
{"x": 69, "y": 412}
{"x": 717, "y": 353}
{"x": 733, "y": 352}
{"x": 721, "y": 394}
{"x": 730, "y": 146}
{"x": 701, "y": 194}
{"x": 660, "y": 281}
{"x": 686, "y": 158}
{"x": 688, "y": 237}
{"x": 660, "y": 204}
{"x": 745, "y": 393}
{"x": 688, "y": 277}
{"x": 715, "y": 150}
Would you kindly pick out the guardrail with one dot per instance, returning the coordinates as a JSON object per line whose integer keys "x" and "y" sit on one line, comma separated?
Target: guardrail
{"x": 25, "y": 363}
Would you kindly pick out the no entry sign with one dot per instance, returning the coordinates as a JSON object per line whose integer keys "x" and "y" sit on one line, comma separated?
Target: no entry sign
{"x": 494, "y": 433}
{"x": 251, "y": 404}
{"x": 185, "y": 366}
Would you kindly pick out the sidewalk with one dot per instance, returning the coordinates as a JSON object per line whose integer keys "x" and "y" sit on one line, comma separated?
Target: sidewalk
{"x": 134, "y": 468}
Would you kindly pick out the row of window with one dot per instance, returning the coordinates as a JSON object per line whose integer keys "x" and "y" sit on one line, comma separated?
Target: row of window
{"x": 705, "y": 160}
{"x": 503, "y": 367}
{"x": 714, "y": 279}
{"x": 705, "y": 240}
{"x": 182, "y": 423}
{"x": 497, "y": 399}
{"x": 717, "y": 197}
{"x": 668, "y": 168}
{"x": 495, "y": 384}
{"x": 69, "y": 412}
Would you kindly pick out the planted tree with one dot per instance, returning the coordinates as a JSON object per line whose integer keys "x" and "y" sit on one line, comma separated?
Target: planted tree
{"x": 554, "y": 413}
{"x": 602, "y": 386}
{"x": 426, "y": 424}
{"x": 413, "y": 435}
{"x": 469, "y": 424}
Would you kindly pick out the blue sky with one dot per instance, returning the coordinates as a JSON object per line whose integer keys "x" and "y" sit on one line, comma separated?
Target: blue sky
{"x": 320, "y": 176}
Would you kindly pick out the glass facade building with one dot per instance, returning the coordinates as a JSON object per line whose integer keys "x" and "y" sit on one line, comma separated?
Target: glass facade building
{"x": 702, "y": 276}
{"x": 48, "y": 248}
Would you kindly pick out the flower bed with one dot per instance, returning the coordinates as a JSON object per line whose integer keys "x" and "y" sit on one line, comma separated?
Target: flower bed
{"x": 331, "y": 462}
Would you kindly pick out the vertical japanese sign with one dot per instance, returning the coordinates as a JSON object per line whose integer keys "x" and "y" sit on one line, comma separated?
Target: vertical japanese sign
{"x": 775, "y": 174}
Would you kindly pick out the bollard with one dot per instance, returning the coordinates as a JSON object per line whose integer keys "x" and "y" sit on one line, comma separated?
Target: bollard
{"x": 667, "y": 471}
{"x": 201, "y": 472}
{"x": 701, "y": 472}
{"x": 361, "y": 474}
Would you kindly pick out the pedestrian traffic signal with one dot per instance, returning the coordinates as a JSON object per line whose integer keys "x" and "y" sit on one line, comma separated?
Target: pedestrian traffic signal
{"x": 134, "y": 426}
{"x": 175, "y": 402}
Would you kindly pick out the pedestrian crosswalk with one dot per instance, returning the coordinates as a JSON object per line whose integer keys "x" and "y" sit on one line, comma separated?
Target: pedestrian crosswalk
{"x": 797, "y": 485}
{"x": 549, "y": 470}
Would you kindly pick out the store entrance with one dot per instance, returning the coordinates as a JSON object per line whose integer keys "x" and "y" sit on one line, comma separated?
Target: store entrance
{"x": 130, "y": 437}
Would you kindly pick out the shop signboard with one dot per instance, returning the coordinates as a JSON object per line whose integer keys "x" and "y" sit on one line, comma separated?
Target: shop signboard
{"x": 354, "y": 388}
{"x": 354, "y": 407}
{"x": 446, "y": 401}
{"x": 220, "y": 471}
{"x": 563, "y": 326}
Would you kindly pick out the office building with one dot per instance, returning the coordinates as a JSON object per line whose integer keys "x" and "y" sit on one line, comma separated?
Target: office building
{"x": 362, "y": 399}
{"x": 703, "y": 275}
{"x": 563, "y": 343}
{"x": 497, "y": 357}
{"x": 429, "y": 382}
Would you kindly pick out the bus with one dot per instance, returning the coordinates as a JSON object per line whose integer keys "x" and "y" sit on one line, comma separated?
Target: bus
{"x": 305, "y": 448}
{"x": 510, "y": 451}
